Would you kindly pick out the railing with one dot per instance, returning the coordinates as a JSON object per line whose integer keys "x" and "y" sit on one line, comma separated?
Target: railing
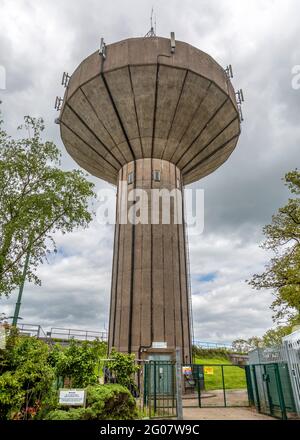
{"x": 31, "y": 330}
{"x": 61, "y": 333}
{"x": 89, "y": 335}
{"x": 211, "y": 345}
{"x": 78, "y": 334}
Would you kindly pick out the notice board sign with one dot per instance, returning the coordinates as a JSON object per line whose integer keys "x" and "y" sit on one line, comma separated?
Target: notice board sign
{"x": 72, "y": 397}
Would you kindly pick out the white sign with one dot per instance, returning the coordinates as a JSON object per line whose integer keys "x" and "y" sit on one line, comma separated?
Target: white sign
{"x": 159, "y": 345}
{"x": 72, "y": 397}
{"x": 2, "y": 337}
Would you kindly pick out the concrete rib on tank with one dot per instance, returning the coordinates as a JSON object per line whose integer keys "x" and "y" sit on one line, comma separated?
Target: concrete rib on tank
{"x": 144, "y": 107}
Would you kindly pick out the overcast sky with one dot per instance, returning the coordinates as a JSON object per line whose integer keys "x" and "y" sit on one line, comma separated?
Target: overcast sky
{"x": 41, "y": 39}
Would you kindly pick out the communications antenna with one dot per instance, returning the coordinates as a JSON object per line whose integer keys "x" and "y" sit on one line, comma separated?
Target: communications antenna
{"x": 152, "y": 31}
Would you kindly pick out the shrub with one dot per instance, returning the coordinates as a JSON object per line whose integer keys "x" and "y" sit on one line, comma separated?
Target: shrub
{"x": 77, "y": 361}
{"x": 12, "y": 396}
{"x": 104, "y": 402}
{"x": 123, "y": 368}
{"x": 112, "y": 401}
{"x": 71, "y": 414}
{"x": 26, "y": 377}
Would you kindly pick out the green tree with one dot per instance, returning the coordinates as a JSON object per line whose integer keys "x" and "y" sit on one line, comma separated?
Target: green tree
{"x": 282, "y": 274}
{"x": 273, "y": 337}
{"x": 37, "y": 199}
{"x": 246, "y": 345}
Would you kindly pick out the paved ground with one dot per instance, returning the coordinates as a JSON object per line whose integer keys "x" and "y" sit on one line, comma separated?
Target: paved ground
{"x": 216, "y": 398}
{"x": 223, "y": 414}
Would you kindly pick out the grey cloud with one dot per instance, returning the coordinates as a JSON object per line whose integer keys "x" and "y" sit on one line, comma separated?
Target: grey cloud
{"x": 260, "y": 39}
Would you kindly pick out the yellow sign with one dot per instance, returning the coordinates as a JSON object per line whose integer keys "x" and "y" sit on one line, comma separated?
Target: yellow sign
{"x": 208, "y": 370}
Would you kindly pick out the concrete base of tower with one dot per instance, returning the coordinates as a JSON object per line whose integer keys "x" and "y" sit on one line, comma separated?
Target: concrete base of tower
{"x": 150, "y": 309}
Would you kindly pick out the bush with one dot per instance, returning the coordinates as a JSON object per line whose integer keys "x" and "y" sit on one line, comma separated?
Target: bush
{"x": 77, "y": 361}
{"x": 122, "y": 366}
{"x": 104, "y": 402}
{"x": 71, "y": 414}
{"x": 12, "y": 396}
{"x": 111, "y": 402}
{"x": 25, "y": 377}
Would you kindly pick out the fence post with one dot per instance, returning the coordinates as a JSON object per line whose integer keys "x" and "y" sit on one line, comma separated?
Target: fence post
{"x": 257, "y": 402}
{"x": 266, "y": 380}
{"x": 223, "y": 383}
{"x": 155, "y": 384}
{"x": 293, "y": 372}
{"x": 280, "y": 392}
{"x": 179, "y": 385}
{"x": 199, "y": 383}
{"x": 249, "y": 385}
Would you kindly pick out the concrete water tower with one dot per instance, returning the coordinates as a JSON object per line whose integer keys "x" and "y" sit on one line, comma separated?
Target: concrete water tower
{"x": 157, "y": 114}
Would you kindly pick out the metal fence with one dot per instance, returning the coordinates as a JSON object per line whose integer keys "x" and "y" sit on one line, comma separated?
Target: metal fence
{"x": 31, "y": 330}
{"x": 154, "y": 387}
{"x": 61, "y": 333}
{"x": 291, "y": 345}
{"x": 78, "y": 334}
{"x": 159, "y": 389}
{"x": 214, "y": 385}
{"x": 270, "y": 390}
{"x": 213, "y": 345}
{"x": 275, "y": 378}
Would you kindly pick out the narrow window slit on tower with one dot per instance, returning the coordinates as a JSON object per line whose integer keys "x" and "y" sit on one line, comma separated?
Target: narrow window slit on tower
{"x": 130, "y": 178}
{"x": 156, "y": 175}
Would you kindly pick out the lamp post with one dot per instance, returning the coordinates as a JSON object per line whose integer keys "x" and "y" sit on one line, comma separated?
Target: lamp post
{"x": 18, "y": 303}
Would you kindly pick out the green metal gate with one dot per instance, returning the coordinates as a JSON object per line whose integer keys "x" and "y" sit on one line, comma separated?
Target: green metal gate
{"x": 160, "y": 389}
{"x": 215, "y": 385}
{"x": 270, "y": 389}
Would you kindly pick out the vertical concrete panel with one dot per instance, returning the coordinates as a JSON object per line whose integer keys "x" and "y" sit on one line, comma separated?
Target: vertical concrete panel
{"x": 168, "y": 181}
{"x": 136, "y": 323}
{"x": 157, "y": 283}
{"x": 184, "y": 289}
{"x": 184, "y": 294}
{"x": 113, "y": 285}
{"x": 119, "y": 272}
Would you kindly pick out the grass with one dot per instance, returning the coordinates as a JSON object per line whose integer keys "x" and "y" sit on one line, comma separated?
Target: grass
{"x": 234, "y": 377}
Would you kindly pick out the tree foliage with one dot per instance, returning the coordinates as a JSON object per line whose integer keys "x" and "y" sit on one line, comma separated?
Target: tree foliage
{"x": 272, "y": 338}
{"x": 282, "y": 273}
{"x": 246, "y": 345}
{"x": 37, "y": 199}
{"x": 123, "y": 368}
{"x": 29, "y": 369}
{"x": 78, "y": 361}
{"x": 25, "y": 376}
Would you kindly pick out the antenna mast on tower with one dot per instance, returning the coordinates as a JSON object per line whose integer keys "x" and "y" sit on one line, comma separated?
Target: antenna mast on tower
{"x": 152, "y": 32}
